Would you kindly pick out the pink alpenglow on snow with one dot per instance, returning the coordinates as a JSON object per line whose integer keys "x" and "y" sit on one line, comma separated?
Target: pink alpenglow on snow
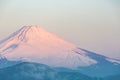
{"x": 32, "y": 43}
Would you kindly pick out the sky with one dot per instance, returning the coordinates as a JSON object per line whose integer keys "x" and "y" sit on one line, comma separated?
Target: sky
{"x": 91, "y": 24}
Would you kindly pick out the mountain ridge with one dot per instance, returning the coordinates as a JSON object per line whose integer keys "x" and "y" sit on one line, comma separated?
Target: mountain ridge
{"x": 34, "y": 44}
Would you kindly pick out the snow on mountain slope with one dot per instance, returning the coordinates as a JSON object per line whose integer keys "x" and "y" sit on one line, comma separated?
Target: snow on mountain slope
{"x": 34, "y": 44}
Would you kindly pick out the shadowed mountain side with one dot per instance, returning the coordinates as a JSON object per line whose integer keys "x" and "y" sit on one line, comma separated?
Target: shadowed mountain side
{"x": 34, "y": 71}
{"x": 6, "y": 63}
{"x": 102, "y": 68}
{"x": 113, "y": 77}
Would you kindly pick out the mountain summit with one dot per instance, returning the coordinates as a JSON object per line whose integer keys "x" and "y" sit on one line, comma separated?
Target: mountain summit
{"x": 31, "y": 32}
{"x": 34, "y": 44}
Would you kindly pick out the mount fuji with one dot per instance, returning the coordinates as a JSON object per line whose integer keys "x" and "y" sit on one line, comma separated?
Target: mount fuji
{"x": 33, "y": 44}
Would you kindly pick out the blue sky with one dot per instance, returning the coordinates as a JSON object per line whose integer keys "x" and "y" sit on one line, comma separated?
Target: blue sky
{"x": 90, "y": 24}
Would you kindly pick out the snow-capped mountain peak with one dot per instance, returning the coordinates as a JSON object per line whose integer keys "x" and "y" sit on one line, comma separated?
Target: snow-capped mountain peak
{"x": 32, "y": 43}
{"x": 30, "y": 32}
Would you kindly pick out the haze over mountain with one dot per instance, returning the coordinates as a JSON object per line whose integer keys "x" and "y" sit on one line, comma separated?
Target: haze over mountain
{"x": 36, "y": 45}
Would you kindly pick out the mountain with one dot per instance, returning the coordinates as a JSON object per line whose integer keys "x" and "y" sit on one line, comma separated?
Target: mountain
{"x": 112, "y": 77}
{"x": 34, "y": 71}
{"x": 36, "y": 45}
